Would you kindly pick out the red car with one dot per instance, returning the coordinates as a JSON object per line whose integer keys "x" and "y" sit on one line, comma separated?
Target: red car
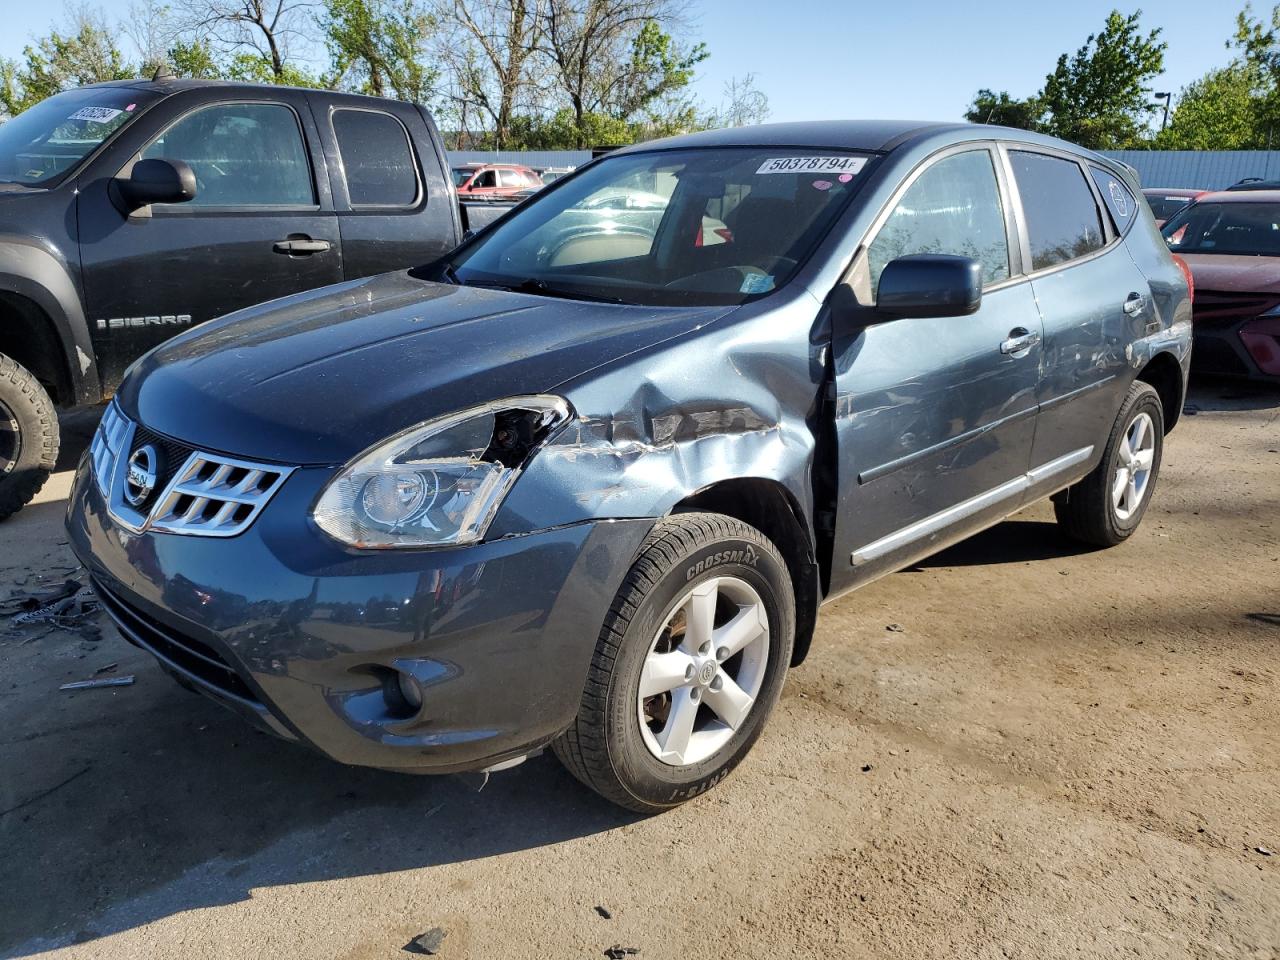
{"x": 483, "y": 180}
{"x": 1165, "y": 203}
{"x": 1231, "y": 242}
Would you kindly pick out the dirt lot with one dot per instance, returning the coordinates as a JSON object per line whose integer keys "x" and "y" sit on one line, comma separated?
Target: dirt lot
{"x": 1059, "y": 754}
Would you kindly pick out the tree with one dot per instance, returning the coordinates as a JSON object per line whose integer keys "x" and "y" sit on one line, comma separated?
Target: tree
{"x": 1004, "y": 110}
{"x": 1101, "y": 98}
{"x": 1220, "y": 111}
{"x": 744, "y": 104}
{"x": 84, "y": 54}
{"x": 380, "y": 47}
{"x": 255, "y": 34}
{"x": 488, "y": 46}
{"x": 612, "y": 56}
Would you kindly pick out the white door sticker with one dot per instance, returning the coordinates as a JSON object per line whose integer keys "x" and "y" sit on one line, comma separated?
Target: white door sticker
{"x": 96, "y": 114}
{"x": 849, "y": 165}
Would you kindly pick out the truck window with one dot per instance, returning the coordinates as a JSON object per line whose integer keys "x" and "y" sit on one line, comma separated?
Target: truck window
{"x": 243, "y": 155}
{"x": 488, "y": 178}
{"x": 377, "y": 160}
{"x": 1063, "y": 221}
{"x": 952, "y": 207}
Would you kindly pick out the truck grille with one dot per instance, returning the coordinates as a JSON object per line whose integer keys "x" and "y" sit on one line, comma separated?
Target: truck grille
{"x": 198, "y": 494}
{"x": 188, "y": 656}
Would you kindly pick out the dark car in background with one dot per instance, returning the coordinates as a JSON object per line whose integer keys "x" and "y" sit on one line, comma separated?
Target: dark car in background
{"x": 1231, "y": 242}
{"x": 1165, "y": 203}
{"x": 130, "y": 211}
{"x": 587, "y": 488}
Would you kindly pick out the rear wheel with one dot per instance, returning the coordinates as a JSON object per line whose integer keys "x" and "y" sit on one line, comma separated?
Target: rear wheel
{"x": 1106, "y": 507}
{"x": 28, "y": 436}
{"x": 688, "y": 666}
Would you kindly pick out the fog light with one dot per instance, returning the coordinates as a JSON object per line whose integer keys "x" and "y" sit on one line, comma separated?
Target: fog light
{"x": 410, "y": 690}
{"x": 402, "y": 693}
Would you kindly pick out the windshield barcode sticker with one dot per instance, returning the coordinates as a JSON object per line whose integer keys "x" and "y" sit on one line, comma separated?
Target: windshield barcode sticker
{"x": 96, "y": 114}
{"x": 849, "y": 165}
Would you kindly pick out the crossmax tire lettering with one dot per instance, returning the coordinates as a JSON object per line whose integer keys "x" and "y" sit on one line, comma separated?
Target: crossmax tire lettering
{"x": 33, "y": 411}
{"x": 604, "y": 747}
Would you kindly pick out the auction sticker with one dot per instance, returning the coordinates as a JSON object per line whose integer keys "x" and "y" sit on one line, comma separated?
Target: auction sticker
{"x": 836, "y": 165}
{"x": 96, "y": 114}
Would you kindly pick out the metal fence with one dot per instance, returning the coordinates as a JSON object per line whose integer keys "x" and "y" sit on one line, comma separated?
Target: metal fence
{"x": 1199, "y": 169}
{"x": 530, "y": 158}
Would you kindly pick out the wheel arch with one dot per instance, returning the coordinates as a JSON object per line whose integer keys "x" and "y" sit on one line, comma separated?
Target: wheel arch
{"x": 1164, "y": 373}
{"x": 42, "y": 318}
{"x": 770, "y": 507}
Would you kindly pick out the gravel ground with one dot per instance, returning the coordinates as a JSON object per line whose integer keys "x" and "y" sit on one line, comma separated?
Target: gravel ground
{"x": 1054, "y": 753}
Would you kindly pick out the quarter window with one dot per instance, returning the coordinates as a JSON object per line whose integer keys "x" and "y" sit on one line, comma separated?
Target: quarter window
{"x": 377, "y": 159}
{"x": 1063, "y": 221}
{"x": 243, "y": 155}
{"x": 952, "y": 207}
{"x": 1116, "y": 196}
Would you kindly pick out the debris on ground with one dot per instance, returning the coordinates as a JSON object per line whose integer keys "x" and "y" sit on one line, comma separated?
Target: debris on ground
{"x": 1265, "y": 851}
{"x": 427, "y": 944}
{"x": 618, "y": 952}
{"x": 109, "y": 668}
{"x": 604, "y": 912}
{"x": 866, "y": 768}
{"x": 67, "y": 605}
{"x": 894, "y": 628}
{"x": 100, "y": 682}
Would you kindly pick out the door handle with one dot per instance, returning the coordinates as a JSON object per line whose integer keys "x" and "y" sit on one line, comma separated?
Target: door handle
{"x": 1135, "y": 304}
{"x": 1020, "y": 342}
{"x": 300, "y": 247}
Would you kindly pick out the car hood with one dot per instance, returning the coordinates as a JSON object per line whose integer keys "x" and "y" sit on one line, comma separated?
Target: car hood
{"x": 317, "y": 377}
{"x": 1234, "y": 274}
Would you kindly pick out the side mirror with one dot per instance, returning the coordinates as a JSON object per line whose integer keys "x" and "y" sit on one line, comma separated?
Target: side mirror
{"x": 930, "y": 285}
{"x": 158, "y": 181}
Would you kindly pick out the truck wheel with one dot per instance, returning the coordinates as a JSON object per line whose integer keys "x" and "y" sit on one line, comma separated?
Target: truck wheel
{"x": 28, "y": 437}
{"x": 1106, "y": 506}
{"x": 688, "y": 665}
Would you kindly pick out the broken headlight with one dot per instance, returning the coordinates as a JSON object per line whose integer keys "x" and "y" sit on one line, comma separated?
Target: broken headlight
{"x": 439, "y": 483}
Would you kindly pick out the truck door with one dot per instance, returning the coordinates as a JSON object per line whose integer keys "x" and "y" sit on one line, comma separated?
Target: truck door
{"x": 394, "y": 207}
{"x": 934, "y": 417}
{"x": 261, "y": 225}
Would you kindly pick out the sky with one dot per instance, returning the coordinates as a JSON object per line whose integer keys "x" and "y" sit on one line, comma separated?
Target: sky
{"x": 906, "y": 59}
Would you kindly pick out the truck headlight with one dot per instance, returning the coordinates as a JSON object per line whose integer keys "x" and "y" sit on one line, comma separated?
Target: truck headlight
{"x": 438, "y": 483}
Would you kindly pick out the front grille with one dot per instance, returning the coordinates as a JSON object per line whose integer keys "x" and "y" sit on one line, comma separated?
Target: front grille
{"x": 189, "y": 656}
{"x": 172, "y": 453}
{"x": 1216, "y": 306}
{"x": 104, "y": 451}
{"x": 215, "y": 496}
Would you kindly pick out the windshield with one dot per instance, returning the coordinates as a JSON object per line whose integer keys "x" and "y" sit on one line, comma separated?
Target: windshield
{"x": 709, "y": 226}
{"x": 44, "y": 143}
{"x": 1243, "y": 229}
{"x": 1166, "y": 207}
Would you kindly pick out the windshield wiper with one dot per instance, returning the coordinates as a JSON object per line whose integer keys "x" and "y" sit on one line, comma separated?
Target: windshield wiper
{"x": 543, "y": 289}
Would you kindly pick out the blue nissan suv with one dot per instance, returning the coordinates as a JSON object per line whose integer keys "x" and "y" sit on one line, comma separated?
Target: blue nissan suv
{"x": 586, "y": 481}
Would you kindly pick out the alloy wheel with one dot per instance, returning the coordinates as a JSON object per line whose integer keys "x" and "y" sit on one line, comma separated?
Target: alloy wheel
{"x": 1133, "y": 467}
{"x": 704, "y": 671}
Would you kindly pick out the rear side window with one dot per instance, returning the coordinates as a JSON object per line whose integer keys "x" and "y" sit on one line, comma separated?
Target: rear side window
{"x": 1063, "y": 221}
{"x": 243, "y": 155}
{"x": 952, "y": 207}
{"x": 377, "y": 159}
{"x": 1116, "y": 196}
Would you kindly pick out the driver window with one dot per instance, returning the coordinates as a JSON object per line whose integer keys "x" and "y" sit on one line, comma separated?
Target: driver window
{"x": 488, "y": 178}
{"x": 243, "y": 155}
{"x": 952, "y": 207}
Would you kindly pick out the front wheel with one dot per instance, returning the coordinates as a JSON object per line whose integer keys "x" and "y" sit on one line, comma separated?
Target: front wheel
{"x": 1106, "y": 507}
{"x": 688, "y": 665}
{"x": 28, "y": 436}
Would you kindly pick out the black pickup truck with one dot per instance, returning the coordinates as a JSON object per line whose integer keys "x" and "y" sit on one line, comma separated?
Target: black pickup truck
{"x": 130, "y": 211}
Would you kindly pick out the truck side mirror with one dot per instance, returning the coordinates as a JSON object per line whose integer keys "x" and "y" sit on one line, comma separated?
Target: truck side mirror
{"x": 157, "y": 180}
{"x": 930, "y": 285}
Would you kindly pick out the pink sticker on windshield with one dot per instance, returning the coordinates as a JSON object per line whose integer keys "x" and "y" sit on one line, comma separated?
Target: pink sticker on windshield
{"x": 845, "y": 177}
{"x": 130, "y": 107}
{"x": 822, "y": 184}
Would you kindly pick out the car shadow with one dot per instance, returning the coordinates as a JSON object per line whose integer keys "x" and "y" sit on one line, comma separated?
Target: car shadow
{"x": 1208, "y": 394}
{"x": 1013, "y": 541}
{"x": 76, "y": 433}
{"x": 151, "y": 801}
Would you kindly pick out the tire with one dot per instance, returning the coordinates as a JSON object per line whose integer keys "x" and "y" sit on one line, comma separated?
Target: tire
{"x": 730, "y": 568}
{"x": 28, "y": 437}
{"x": 1089, "y": 511}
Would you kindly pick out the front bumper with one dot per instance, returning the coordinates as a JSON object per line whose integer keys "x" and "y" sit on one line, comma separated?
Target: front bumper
{"x": 1241, "y": 348}
{"x": 298, "y": 635}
